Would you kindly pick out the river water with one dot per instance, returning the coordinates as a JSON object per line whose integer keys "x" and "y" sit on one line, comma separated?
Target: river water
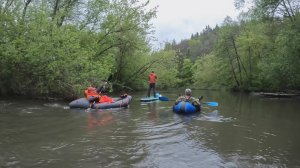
{"x": 243, "y": 131}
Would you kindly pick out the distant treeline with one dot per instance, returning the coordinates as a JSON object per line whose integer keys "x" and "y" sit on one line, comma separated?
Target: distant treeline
{"x": 58, "y": 48}
{"x": 259, "y": 52}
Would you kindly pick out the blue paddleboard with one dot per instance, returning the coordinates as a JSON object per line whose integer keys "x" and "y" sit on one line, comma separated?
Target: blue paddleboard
{"x": 151, "y": 98}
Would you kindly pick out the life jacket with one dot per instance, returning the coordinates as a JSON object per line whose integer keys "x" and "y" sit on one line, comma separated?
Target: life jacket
{"x": 90, "y": 92}
{"x": 106, "y": 99}
{"x": 152, "y": 78}
{"x": 192, "y": 100}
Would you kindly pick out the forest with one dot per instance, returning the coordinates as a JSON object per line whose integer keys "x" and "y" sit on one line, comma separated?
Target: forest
{"x": 58, "y": 48}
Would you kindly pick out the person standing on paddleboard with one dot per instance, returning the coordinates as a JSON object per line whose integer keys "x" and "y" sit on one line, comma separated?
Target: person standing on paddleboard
{"x": 152, "y": 82}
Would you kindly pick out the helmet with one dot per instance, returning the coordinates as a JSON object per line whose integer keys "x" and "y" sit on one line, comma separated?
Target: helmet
{"x": 188, "y": 91}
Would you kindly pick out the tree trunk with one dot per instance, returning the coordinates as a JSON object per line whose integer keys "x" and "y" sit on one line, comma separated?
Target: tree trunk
{"x": 27, "y": 2}
{"x": 232, "y": 68}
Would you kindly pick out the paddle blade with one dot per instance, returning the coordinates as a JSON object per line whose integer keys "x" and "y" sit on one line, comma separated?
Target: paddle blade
{"x": 163, "y": 98}
{"x": 214, "y": 104}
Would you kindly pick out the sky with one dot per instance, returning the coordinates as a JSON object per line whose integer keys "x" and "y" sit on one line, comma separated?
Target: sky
{"x": 179, "y": 19}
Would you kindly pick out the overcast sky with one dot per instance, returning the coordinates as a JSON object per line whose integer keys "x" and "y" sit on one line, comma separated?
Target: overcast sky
{"x": 179, "y": 19}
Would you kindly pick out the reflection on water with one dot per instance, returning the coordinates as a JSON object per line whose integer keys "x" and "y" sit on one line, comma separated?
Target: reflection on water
{"x": 99, "y": 118}
{"x": 151, "y": 109}
{"x": 243, "y": 131}
{"x": 214, "y": 116}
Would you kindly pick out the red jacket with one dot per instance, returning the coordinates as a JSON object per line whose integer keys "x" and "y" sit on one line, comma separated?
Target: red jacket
{"x": 89, "y": 92}
{"x": 106, "y": 99}
{"x": 152, "y": 78}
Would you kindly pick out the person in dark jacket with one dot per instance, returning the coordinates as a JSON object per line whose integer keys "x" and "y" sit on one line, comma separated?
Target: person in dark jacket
{"x": 187, "y": 97}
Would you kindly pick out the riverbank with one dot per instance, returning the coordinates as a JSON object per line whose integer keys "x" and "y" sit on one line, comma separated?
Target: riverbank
{"x": 288, "y": 94}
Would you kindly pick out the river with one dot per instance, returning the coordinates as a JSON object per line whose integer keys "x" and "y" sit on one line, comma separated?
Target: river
{"x": 243, "y": 131}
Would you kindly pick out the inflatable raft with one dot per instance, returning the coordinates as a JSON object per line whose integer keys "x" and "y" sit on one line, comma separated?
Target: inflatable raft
{"x": 185, "y": 108}
{"x": 84, "y": 103}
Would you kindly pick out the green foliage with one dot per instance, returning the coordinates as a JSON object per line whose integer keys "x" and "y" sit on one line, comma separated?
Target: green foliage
{"x": 253, "y": 45}
{"x": 257, "y": 54}
{"x": 46, "y": 49}
{"x": 166, "y": 69}
{"x": 226, "y": 50}
{"x": 185, "y": 74}
{"x": 163, "y": 63}
{"x": 54, "y": 48}
{"x": 263, "y": 9}
{"x": 207, "y": 74}
{"x": 281, "y": 69}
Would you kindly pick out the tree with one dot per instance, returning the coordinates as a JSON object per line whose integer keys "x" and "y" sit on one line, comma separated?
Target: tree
{"x": 52, "y": 48}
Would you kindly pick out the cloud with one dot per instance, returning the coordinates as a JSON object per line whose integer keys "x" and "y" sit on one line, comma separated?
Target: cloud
{"x": 179, "y": 19}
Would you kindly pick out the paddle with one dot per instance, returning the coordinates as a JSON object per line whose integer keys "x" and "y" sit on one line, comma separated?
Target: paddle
{"x": 213, "y": 104}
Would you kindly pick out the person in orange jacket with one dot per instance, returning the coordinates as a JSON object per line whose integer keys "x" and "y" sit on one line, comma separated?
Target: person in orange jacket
{"x": 152, "y": 82}
{"x": 95, "y": 95}
{"x": 91, "y": 94}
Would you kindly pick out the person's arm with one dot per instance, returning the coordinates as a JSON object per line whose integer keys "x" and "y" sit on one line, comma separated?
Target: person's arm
{"x": 195, "y": 101}
{"x": 178, "y": 100}
{"x": 85, "y": 93}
